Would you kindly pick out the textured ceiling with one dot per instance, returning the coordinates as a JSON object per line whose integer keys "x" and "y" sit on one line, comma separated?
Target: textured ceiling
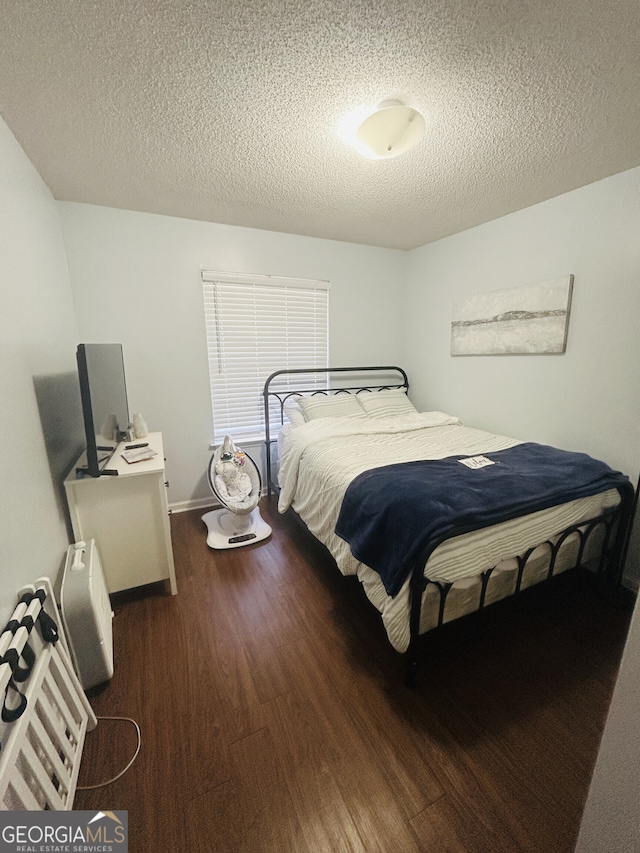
{"x": 227, "y": 111}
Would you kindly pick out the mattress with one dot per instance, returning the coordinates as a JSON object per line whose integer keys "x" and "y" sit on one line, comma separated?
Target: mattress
{"x": 321, "y": 457}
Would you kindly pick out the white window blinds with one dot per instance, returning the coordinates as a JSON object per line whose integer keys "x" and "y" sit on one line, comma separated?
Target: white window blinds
{"x": 255, "y": 326}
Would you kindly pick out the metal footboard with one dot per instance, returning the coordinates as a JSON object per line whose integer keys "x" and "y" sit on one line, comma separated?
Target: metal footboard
{"x": 614, "y": 522}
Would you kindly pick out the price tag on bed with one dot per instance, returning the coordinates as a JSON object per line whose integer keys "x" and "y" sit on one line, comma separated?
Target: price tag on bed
{"x": 476, "y": 462}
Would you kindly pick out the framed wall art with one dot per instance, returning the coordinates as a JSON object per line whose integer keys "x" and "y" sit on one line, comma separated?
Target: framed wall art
{"x": 533, "y": 320}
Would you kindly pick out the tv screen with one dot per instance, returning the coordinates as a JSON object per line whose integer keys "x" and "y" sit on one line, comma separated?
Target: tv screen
{"x": 104, "y": 401}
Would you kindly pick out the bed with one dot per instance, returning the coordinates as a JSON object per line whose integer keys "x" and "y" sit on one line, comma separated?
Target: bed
{"x": 438, "y": 520}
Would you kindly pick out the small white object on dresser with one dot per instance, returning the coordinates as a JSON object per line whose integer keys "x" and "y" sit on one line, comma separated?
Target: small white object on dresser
{"x": 140, "y": 426}
{"x": 128, "y": 516}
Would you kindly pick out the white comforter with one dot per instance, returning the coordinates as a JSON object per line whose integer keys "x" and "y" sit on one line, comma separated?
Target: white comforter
{"x": 380, "y": 436}
{"x": 320, "y": 458}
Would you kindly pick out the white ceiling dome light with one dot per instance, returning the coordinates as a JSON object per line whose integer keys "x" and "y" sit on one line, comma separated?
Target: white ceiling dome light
{"x": 391, "y": 129}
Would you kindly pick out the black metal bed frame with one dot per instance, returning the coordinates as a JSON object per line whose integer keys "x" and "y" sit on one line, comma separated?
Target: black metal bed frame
{"x": 616, "y": 522}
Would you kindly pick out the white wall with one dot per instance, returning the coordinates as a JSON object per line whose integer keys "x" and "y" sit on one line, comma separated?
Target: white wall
{"x": 587, "y": 399}
{"x": 136, "y": 280}
{"x": 37, "y": 372}
{"x": 611, "y": 819}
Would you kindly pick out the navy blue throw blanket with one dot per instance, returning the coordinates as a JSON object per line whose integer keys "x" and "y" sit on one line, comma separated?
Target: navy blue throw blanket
{"x": 390, "y": 515}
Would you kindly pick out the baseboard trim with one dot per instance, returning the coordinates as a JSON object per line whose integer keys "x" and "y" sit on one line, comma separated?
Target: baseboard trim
{"x": 200, "y": 503}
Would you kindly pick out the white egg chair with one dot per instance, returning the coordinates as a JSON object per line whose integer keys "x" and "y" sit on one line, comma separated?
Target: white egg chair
{"x": 235, "y": 480}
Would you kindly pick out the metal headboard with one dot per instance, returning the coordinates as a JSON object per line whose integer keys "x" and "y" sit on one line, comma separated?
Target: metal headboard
{"x": 279, "y": 388}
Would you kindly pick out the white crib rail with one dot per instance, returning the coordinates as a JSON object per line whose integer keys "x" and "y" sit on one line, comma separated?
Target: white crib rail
{"x": 41, "y": 750}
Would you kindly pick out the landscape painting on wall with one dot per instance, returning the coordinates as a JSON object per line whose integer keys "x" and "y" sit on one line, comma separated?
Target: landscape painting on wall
{"x": 533, "y": 319}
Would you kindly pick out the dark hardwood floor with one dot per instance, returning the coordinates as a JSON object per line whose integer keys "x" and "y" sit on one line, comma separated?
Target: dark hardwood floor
{"x": 274, "y": 716}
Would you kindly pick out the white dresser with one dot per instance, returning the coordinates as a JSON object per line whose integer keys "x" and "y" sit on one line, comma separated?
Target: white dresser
{"x": 128, "y": 516}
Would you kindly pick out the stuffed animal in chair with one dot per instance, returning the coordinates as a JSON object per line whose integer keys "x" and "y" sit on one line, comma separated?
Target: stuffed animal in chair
{"x": 230, "y": 479}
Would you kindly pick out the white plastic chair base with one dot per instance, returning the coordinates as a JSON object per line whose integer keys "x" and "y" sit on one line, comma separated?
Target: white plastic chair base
{"x": 228, "y": 530}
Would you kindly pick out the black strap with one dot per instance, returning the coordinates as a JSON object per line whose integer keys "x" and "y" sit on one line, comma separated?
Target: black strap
{"x": 10, "y": 715}
{"x": 50, "y": 634}
{"x": 11, "y": 656}
{"x": 48, "y": 627}
{"x": 28, "y": 655}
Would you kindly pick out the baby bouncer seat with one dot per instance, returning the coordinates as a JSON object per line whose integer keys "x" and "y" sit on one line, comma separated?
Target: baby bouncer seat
{"x": 234, "y": 479}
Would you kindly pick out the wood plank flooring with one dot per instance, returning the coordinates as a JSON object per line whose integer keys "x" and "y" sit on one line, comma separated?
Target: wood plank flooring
{"x": 274, "y": 717}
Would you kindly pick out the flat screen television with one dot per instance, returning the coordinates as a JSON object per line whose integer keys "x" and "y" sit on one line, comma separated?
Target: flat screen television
{"x": 105, "y": 410}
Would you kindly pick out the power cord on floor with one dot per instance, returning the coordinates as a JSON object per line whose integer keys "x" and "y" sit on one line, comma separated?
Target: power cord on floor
{"x": 122, "y": 772}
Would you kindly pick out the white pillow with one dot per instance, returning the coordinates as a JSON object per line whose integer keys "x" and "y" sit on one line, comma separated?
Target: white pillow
{"x": 293, "y": 411}
{"x": 386, "y": 404}
{"x": 334, "y": 406}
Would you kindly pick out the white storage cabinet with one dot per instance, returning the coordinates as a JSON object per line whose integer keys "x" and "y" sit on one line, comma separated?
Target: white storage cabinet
{"x": 128, "y": 516}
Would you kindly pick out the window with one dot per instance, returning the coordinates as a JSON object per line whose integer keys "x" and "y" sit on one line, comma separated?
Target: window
{"x": 255, "y": 326}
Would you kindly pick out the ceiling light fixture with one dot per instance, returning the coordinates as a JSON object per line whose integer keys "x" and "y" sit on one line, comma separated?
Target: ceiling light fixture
{"x": 390, "y": 129}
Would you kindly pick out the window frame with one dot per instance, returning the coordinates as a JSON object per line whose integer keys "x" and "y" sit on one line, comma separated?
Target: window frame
{"x": 278, "y": 322}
